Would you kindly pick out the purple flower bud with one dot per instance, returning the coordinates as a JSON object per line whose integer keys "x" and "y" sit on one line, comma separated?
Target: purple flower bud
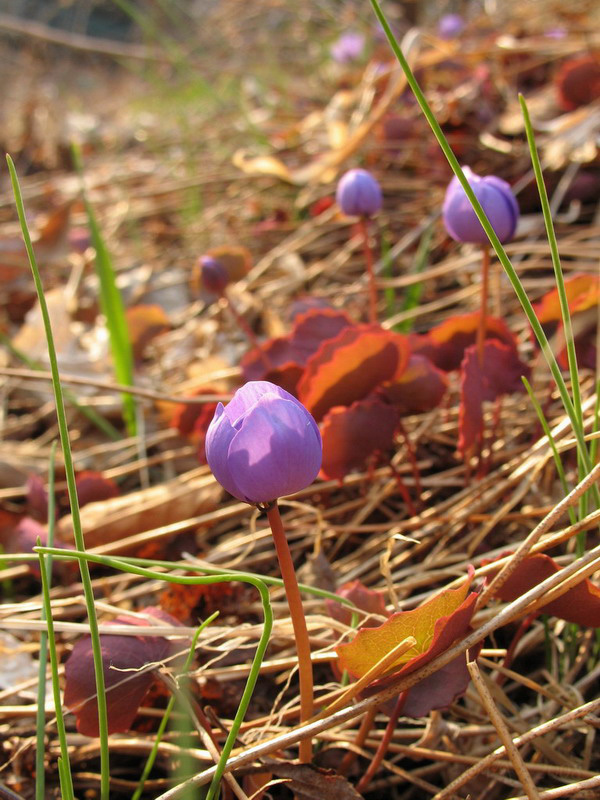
{"x": 450, "y": 26}
{"x": 359, "y": 194}
{"x": 497, "y": 200}
{"x": 213, "y": 274}
{"x": 348, "y": 47}
{"x": 263, "y": 444}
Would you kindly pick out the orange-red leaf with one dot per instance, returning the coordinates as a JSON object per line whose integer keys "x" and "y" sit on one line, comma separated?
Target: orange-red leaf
{"x": 282, "y": 360}
{"x": 369, "y": 600}
{"x": 349, "y": 366}
{"x": 420, "y": 388}
{"x": 580, "y": 605}
{"x": 445, "y": 344}
{"x": 498, "y": 373}
{"x": 144, "y": 323}
{"x": 351, "y": 435}
{"x": 435, "y": 625}
{"x": 583, "y": 296}
{"x": 193, "y": 419}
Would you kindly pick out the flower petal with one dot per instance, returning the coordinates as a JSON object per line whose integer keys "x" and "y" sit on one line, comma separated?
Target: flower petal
{"x": 278, "y": 450}
{"x": 219, "y": 436}
{"x": 248, "y": 396}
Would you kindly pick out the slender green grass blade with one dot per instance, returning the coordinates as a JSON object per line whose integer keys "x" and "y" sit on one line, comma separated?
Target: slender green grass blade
{"x": 64, "y": 765}
{"x": 167, "y": 712}
{"x": 112, "y": 306}
{"x": 40, "y": 772}
{"x": 190, "y": 580}
{"x": 71, "y": 487}
{"x": 564, "y": 310}
{"x": 491, "y": 234}
{"x": 558, "y": 273}
{"x": 555, "y": 452}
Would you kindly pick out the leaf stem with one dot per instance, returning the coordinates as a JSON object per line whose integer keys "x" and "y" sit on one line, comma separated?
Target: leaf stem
{"x": 364, "y": 230}
{"x": 69, "y": 468}
{"x": 383, "y": 744}
{"x": 483, "y": 314}
{"x": 294, "y": 599}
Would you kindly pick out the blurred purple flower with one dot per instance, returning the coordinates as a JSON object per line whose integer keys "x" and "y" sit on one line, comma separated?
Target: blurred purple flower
{"x": 497, "y": 200}
{"x": 359, "y": 194}
{"x": 556, "y": 33}
{"x": 348, "y": 47}
{"x": 213, "y": 274}
{"x": 263, "y": 444}
{"x": 450, "y": 26}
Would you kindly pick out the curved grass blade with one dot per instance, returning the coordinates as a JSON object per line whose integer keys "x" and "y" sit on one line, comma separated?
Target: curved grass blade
{"x": 112, "y": 306}
{"x": 167, "y": 712}
{"x": 190, "y": 580}
{"x": 491, "y": 234}
{"x": 46, "y": 567}
{"x": 71, "y": 487}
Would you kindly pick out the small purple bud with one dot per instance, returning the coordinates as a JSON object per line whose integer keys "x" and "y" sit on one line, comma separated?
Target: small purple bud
{"x": 263, "y": 444}
{"x": 359, "y": 194}
{"x": 213, "y": 274}
{"x": 450, "y": 26}
{"x": 348, "y": 47}
{"x": 497, "y": 200}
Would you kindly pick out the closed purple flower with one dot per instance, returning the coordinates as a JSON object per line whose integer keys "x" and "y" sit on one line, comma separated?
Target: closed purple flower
{"x": 348, "y": 47}
{"x": 263, "y": 444}
{"x": 450, "y": 26}
{"x": 497, "y": 200}
{"x": 213, "y": 274}
{"x": 359, "y": 194}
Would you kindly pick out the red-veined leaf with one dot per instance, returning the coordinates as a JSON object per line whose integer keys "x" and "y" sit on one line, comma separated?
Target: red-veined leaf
{"x": 349, "y": 366}
{"x": 581, "y": 604}
{"x": 371, "y": 601}
{"x": 583, "y": 296}
{"x": 351, "y": 435}
{"x": 420, "y": 388}
{"x": 282, "y": 360}
{"x": 498, "y": 373}
{"x": 446, "y": 344}
{"x": 435, "y": 625}
{"x": 144, "y": 323}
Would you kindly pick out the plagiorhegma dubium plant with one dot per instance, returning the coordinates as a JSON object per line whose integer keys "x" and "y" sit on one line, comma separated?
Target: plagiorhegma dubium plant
{"x": 571, "y": 403}
{"x": 460, "y": 220}
{"x": 359, "y": 195}
{"x": 261, "y": 446}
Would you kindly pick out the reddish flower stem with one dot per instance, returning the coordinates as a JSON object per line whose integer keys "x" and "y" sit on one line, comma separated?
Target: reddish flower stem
{"x": 248, "y": 332}
{"x": 410, "y": 506}
{"x": 485, "y": 281}
{"x": 383, "y": 745}
{"x": 512, "y": 648}
{"x": 412, "y": 457}
{"x": 359, "y": 740}
{"x": 364, "y": 229}
{"x": 294, "y": 599}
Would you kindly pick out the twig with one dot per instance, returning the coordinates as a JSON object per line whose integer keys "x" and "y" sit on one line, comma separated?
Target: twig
{"x": 524, "y": 549}
{"x": 503, "y": 732}
{"x": 565, "y": 791}
{"x": 37, "y": 375}
{"x": 484, "y": 763}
